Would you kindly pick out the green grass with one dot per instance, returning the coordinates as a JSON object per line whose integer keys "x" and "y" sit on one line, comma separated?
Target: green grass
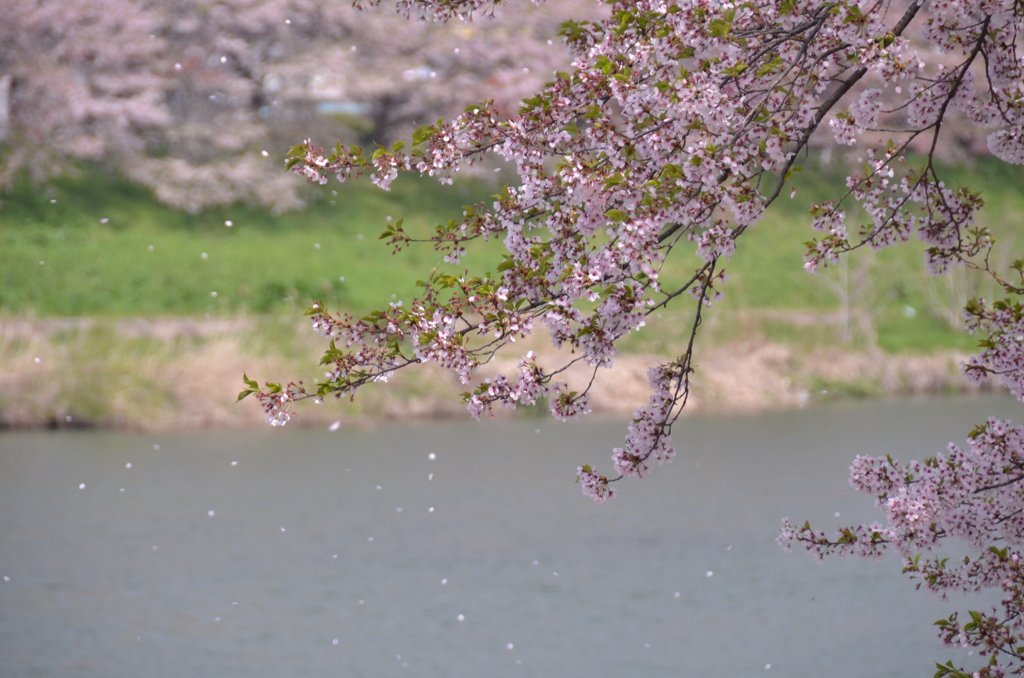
{"x": 908, "y": 308}
{"x": 99, "y": 246}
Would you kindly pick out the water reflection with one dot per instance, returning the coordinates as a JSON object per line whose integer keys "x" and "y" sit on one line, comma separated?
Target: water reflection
{"x": 310, "y": 553}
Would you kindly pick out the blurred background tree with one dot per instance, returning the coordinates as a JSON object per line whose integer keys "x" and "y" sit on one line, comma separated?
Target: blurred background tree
{"x": 198, "y": 99}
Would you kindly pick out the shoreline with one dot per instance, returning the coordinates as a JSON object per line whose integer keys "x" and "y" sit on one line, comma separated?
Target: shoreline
{"x": 165, "y": 374}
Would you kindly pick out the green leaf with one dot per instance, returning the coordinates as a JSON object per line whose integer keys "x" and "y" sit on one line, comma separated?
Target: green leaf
{"x": 572, "y": 30}
{"x": 719, "y": 28}
{"x": 422, "y": 134}
{"x": 854, "y": 16}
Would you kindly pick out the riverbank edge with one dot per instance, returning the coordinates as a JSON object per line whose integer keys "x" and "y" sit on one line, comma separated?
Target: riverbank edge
{"x": 177, "y": 374}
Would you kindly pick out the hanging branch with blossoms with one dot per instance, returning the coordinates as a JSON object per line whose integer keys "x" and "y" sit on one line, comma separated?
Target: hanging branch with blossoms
{"x": 678, "y": 125}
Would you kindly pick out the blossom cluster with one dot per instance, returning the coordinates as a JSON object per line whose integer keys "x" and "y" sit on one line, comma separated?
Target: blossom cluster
{"x": 1002, "y": 352}
{"x": 972, "y": 495}
{"x": 629, "y": 155}
{"x": 677, "y": 126}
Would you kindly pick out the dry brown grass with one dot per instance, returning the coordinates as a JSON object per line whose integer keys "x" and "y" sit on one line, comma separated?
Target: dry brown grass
{"x": 160, "y": 374}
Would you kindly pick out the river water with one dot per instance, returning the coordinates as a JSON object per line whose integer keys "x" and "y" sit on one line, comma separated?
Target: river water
{"x": 299, "y": 552}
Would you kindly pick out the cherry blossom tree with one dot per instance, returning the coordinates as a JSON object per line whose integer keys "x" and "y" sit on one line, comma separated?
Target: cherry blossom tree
{"x": 248, "y": 73}
{"x": 679, "y": 123}
{"x": 75, "y": 82}
{"x": 187, "y": 97}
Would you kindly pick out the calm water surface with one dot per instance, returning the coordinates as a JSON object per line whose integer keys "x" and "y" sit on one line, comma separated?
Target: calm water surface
{"x": 309, "y": 553}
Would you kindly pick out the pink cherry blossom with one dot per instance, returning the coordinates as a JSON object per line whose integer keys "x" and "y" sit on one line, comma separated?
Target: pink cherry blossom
{"x": 676, "y": 127}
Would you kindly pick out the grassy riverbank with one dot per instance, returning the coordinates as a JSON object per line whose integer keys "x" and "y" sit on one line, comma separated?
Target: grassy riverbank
{"x": 97, "y": 246}
{"x": 180, "y": 373}
{"x": 115, "y": 311}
